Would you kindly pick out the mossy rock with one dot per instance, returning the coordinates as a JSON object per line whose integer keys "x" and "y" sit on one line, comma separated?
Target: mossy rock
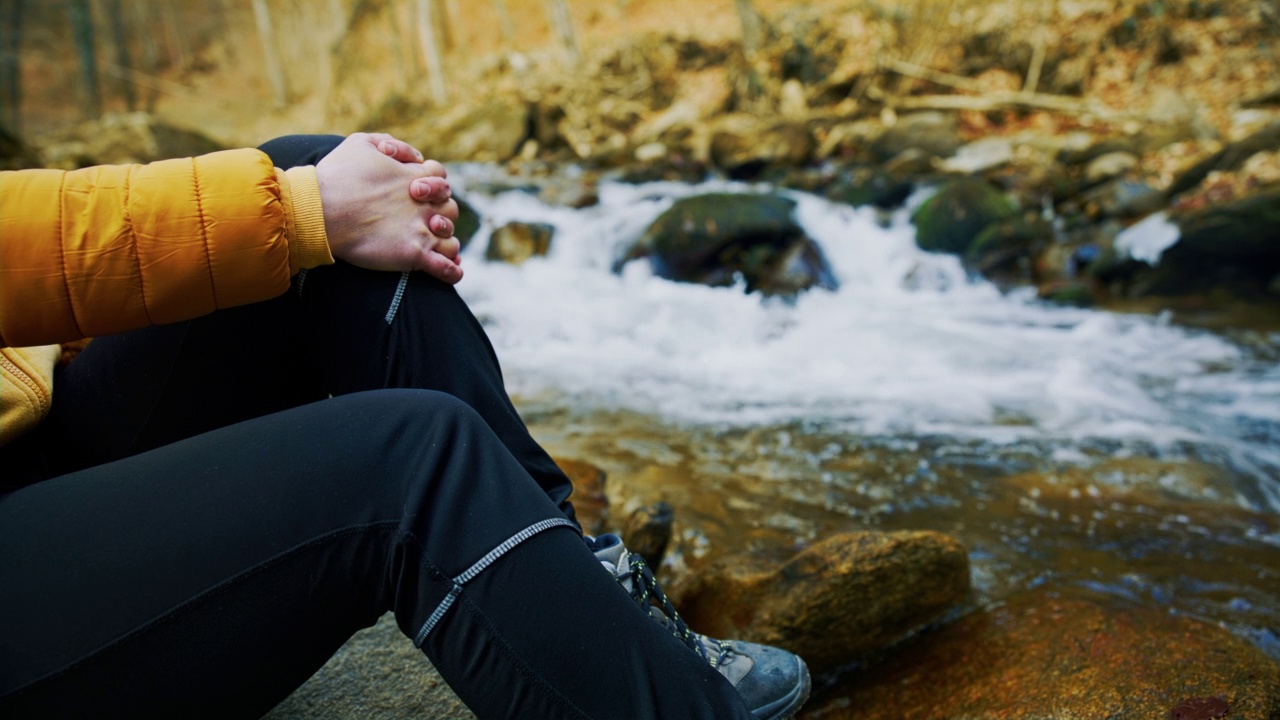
{"x": 954, "y": 217}
{"x": 1003, "y": 251}
{"x": 516, "y": 242}
{"x": 1233, "y": 247}
{"x": 719, "y": 238}
{"x": 870, "y": 187}
{"x": 1075, "y": 294}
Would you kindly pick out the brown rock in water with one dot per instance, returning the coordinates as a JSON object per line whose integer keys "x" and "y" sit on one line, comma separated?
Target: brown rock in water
{"x": 836, "y": 601}
{"x": 518, "y": 241}
{"x": 589, "y": 499}
{"x": 1052, "y": 654}
{"x": 648, "y": 531}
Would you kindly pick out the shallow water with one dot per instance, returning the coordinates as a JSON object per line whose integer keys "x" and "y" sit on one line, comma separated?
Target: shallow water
{"x": 1120, "y": 453}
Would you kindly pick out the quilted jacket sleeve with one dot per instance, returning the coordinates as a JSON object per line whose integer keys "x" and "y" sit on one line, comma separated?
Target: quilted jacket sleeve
{"x": 111, "y": 248}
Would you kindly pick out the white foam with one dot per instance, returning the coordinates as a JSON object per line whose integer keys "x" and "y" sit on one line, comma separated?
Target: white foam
{"x": 1147, "y": 239}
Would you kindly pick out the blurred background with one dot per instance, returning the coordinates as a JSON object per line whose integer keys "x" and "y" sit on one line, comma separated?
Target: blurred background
{"x": 786, "y": 272}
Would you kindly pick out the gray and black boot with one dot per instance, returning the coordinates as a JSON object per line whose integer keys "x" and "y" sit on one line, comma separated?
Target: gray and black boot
{"x": 773, "y": 682}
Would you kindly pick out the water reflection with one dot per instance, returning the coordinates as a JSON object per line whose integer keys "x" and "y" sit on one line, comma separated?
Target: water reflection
{"x": 1173, "y": 532}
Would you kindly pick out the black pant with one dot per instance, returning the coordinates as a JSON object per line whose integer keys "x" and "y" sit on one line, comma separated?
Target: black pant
{"x": 200, "y": 526}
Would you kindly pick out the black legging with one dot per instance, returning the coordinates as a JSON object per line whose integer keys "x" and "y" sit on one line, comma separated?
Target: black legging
{"x": 219, "y": 563}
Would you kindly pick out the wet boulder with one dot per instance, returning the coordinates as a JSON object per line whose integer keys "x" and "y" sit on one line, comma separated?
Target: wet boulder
{"x": 648, "y": 532}
{"x": 719, "y": 238}
{"x": 1234, "y": 246}
{"x": 836, "y": 601}
{"x": 516, "y": 242}
{"x": 954, "y": 217}
{"x": 1064, "y": 654}
{"x": 468, "y": 222}
{"x": 870, "y": 186}
{"x": 1003, "y": 251}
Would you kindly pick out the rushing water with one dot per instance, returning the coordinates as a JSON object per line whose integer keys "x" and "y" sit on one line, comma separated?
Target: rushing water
{"x": 1068, "y": 446}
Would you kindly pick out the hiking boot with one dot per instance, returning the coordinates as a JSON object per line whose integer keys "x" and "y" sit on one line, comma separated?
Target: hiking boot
{"x": 773, "y": 682}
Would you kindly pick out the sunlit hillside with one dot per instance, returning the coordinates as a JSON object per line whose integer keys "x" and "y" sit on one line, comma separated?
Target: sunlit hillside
{"x": 243, "y": 70}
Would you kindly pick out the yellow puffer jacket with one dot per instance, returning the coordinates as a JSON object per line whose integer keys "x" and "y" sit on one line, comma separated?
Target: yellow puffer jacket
{"x": 107, "y": 249}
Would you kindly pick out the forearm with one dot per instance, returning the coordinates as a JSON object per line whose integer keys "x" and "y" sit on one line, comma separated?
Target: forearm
{"x": 107, "y": 249}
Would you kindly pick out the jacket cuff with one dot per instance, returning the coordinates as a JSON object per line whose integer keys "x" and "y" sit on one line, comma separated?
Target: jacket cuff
{"x": 308, "y": 243}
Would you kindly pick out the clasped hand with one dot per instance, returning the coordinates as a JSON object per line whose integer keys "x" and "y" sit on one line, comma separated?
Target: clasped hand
{"x": 385, "y": 208}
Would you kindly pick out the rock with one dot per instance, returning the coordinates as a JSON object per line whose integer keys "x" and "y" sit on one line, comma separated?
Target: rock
{"x": 960, "y": 210}
{"x": 377, "y": 675}
{"x": 836, "y": 601}
{"x": 851, "y": 141}
{"x": 1083, "y": 149}
{"x": 1112, "y": 164}
{"x": 935, "y": 134}
{"x": 1060, "y": 654}
{"x": 672, "y": 168}
{"x": 793, "y": 102}
{"x": 492, "y": 131}
{"x": 1122, "y": 198}
{"x": 468, "y": 222}
{"x": 119, "y": 138}
{"x": 868, "y": 186}
{"x": 980, "y": 155}
{"x": 1231, "y": 157}
{"x": 590, "y": 502}
{"x": 648, "y": 532}
{"x": 516, "y": 242}
{"x": 744, "y": 147}
{"x": 1234, "y": 247}
{"x": 1002, "y": 252}
{"x": 717, "y": 238}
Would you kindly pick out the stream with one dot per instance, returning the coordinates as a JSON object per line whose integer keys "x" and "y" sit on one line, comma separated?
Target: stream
{"x": 1073, "y": 448}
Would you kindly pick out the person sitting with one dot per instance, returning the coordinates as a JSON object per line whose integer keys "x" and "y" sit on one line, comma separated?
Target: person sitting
{"x": 287, "y": 424}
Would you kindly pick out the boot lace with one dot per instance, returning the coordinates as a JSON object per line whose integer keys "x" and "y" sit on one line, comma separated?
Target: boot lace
{"x": 645, "y": 589}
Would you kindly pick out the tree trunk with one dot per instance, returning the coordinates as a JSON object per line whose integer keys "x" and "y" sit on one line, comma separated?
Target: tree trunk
{"x": 338, "y": 17}
{"x": 10, "y": 68}
{"x": 562, "y": 21}
{"x": 82, "y": 31}
{"x": 144, "y": 29}
{"x": 504, "y": 20}
{"x": 428, "y": 40}
{"x": 447, "y": 14}
{"x": 262, "y": 14}
{"x": 750, "y": 20}
{"x": 176, "y": 39}
{"x": 125, "y": 63}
